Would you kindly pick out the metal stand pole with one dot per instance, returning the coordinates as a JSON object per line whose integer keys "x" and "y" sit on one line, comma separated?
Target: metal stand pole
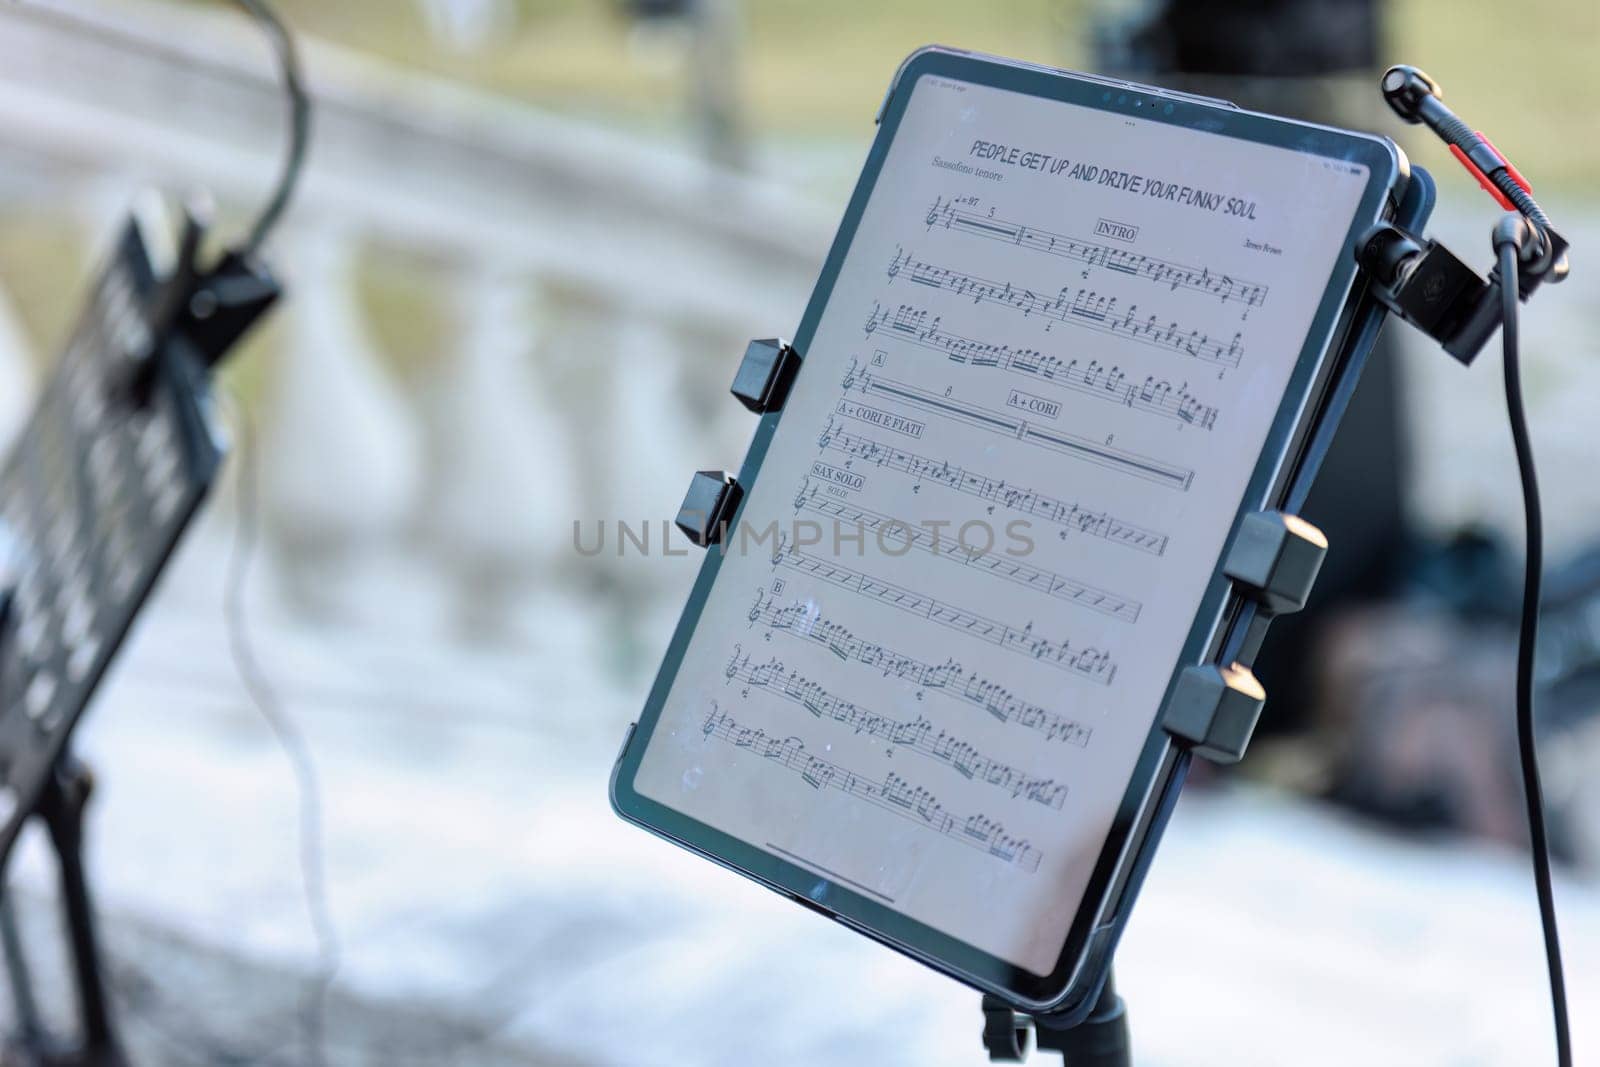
{"x": 1100, "y": 1039}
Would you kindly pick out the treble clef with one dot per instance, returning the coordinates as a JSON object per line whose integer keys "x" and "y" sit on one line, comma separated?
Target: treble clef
{"x": 803, "y": 493}
{"x": 874, "y": 318}
{"x": 710, "y": 726}
{"x": 933, "y": 212}
{"x": 825, "y": 438}
{"x": 850, "y": 373}
{"x": 733, "y": 662}
{"x": 894, "y": 264}
{"x": 779, "y": 547}
{"x": 755, "y": 609}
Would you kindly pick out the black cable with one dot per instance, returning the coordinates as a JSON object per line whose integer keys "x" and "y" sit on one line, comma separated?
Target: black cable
{"x": 299, "y": 119}
{"x": 265, "y": 698}
{"x": 1527, "y": 643}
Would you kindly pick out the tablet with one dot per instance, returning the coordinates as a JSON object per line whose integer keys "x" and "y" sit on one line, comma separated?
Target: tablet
{"x": 1066, "y": 337}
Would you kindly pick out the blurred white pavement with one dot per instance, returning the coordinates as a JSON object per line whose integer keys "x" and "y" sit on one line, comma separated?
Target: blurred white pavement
{"x": 479, "y": 880}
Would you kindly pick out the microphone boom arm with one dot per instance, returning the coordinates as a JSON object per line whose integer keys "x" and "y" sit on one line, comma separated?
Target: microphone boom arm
{"x": 1425, "y": 283}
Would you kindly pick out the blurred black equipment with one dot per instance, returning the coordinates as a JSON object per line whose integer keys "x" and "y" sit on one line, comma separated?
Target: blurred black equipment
{"x": 1425, "y": 284}
{"x": 657, "y": 9}
{"x": 1311, "y": 60}
{"x": 1233, "y": 39}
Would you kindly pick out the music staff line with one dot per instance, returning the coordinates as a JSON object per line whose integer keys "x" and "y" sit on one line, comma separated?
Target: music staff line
{"x": 1093, "y": 254}
{"x": 1069, "y": 516}
{"x": 915, "y": 735}
{"x": 803, "y": 623}
{"x": 1104, "y": 455}
{"x": 1155, "y": 396}
{"x": 1020, "y": 640}
{"x": 1078, "y": 593}
{"x": 892, "y": 793}
{"x": 1086, "y": 309}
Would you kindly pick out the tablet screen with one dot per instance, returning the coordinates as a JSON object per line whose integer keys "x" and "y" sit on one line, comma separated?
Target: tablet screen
{"x": 983, "y": 528}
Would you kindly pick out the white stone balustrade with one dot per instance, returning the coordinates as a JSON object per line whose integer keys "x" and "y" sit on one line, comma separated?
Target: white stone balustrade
{"x": 521, "y": 422}
{"x": 340, "y": 449}
{"x": 16, "y": 371}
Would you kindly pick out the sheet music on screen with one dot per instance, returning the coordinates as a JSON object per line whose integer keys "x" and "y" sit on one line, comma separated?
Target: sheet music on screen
{"x": 986, "y": 521}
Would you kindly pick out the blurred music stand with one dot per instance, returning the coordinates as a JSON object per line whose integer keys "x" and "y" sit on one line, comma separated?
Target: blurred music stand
{"x": 94, "y": 496}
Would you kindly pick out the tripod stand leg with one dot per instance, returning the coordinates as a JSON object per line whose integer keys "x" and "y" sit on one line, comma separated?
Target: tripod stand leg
{"x": 17, "y": 973}
{"x": 62, "y": 809}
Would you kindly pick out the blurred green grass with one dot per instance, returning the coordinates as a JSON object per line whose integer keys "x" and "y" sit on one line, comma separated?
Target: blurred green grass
{"x": 816, "y": 69}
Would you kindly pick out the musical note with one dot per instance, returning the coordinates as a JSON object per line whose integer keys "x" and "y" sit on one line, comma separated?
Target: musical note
{"x": 735, "y": 662}
{"x": 1092, "y": 254}
{"x": 1069, "y": 516}
{"x": 917, "y": 735}
{"x": 1006, "y": 568}
{"x": 825, "y": 438}
{"x": 873, "y": 318}
{"x": 1085, "y": 308}
{"x": 799, "y": 621}
{"x": 1020, "y": 640}
{"x": 1105, "y": 382}
{"x": 893, "y": 792}
{"x": 1104, "y": 455}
